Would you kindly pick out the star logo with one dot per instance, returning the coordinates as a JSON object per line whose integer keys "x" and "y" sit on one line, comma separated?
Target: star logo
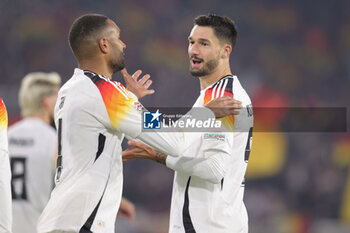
{"x": 151, "y": 120}
{"x": 156, "y": 115}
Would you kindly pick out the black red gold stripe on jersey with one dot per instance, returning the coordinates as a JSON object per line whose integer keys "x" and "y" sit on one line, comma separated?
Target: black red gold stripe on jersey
{"x": 221, "y": 88}
{"x": 116, "y": 97}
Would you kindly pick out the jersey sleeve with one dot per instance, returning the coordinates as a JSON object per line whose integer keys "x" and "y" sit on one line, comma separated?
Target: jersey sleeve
{"x": 212, "y": 166}
{"x": 5, "y": 174}
{"x": 125, "y": 115}
{"x": 3, "y": 127}
{"x": 175, "y": 138}
{"x": 119, "y": 103}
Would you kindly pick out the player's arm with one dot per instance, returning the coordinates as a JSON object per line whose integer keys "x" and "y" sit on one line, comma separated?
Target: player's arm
{"x": 125, "y": 115}
{"x": 5, "y": 174}
{"x": 120, "y": 111}
{"x": 212, "y": 167}
{"x": 174, "y": 143}
{"x": 3, "y": 128}
{"x": 221, "y": 107}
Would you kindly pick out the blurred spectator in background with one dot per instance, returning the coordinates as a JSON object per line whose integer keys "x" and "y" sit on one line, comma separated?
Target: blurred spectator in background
{"x": 33, "y": 148}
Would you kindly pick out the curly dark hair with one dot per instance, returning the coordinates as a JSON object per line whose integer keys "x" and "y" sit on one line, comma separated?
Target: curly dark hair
{"x": 224, "y": 27}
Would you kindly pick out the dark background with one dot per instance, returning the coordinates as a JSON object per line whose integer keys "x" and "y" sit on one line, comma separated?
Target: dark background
{"x": 288, "y": 54}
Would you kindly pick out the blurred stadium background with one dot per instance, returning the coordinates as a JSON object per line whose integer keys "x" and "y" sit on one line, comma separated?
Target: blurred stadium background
{"x": 288, "y": 53}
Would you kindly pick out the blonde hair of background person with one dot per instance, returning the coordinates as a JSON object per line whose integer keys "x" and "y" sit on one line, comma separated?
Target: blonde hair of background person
{"x": 34, "y": 87}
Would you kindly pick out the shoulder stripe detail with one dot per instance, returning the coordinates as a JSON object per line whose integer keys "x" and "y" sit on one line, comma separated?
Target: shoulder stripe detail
{"x": 95, "y": 78}
{"x": 213, "y": 92}
{"x": 219, "y": 89}
{"x": 119, "y": 88}
{"x": 116, "y": 98}
{"x": 3, "y": 115}
{"x": 223, "y": 88}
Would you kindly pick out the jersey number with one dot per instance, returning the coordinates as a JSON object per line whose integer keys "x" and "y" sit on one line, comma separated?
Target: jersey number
{"x": 18, "y": 184}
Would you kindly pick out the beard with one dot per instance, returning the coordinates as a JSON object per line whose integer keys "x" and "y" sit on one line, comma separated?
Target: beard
{"x": 207, "y": 68}
{"x": 117, "y": 64}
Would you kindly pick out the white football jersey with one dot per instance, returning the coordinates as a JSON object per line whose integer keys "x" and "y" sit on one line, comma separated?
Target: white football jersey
{"x": 32, "y": 149}
{"x": 209, "y": 176}
{"x": 5, "y": 175}
{"x": 92, "y": 115}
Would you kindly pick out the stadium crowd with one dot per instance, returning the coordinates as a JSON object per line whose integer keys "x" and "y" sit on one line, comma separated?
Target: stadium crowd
{"x": 288, "y": 54}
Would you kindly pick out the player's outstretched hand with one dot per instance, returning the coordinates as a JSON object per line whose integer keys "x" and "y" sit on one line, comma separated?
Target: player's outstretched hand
{"x": 138, "y": 87}
{"x": 139, "y": 150}
{"x": 127, "y": 210}
{"x": 224, "y": 106}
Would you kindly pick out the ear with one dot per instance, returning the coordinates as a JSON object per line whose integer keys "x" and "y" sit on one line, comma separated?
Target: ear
{"x": 227, "y": 49}
{"x": 103, "y": 45}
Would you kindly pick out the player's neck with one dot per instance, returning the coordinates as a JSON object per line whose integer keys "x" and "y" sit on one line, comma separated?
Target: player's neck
{"x": 96, "y": 66}
{"x": 207, "y": 80}
{"x": 43, "y": 116}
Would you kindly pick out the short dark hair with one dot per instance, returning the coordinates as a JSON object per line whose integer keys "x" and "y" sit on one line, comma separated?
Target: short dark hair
{"x": 224, "y": 27}
{"x": 83, "y": 27}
